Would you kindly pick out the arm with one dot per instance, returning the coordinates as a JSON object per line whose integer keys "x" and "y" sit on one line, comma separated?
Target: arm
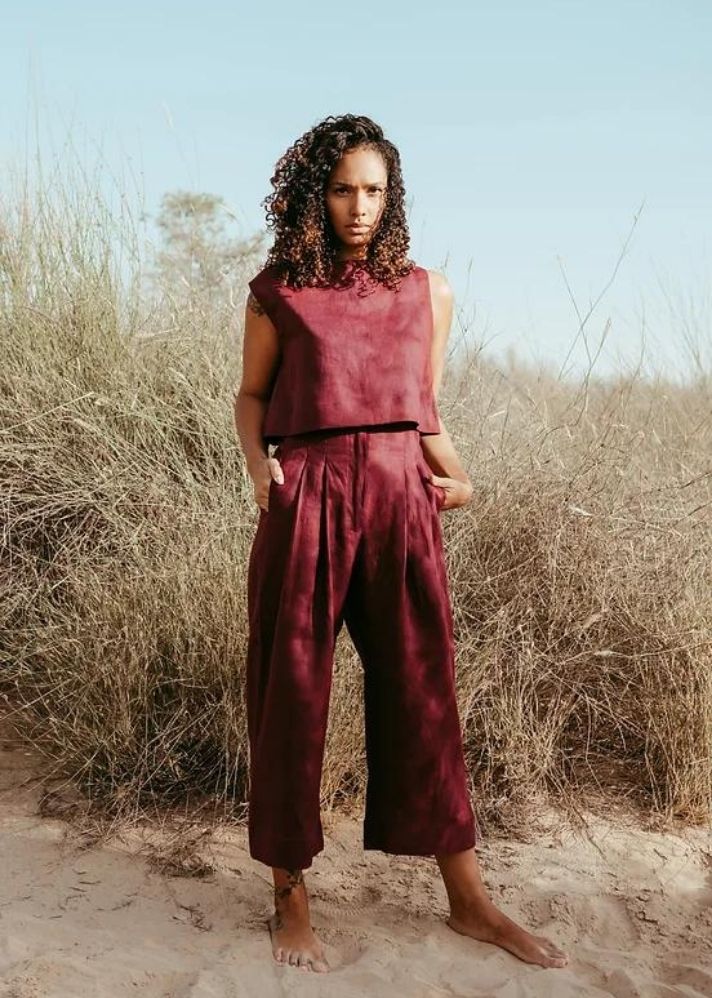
{"x": 260, "y": 360}
{"x": 438, "y": 449}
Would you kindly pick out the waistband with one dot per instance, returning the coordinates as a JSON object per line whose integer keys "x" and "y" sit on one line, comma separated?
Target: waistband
{"x": 344, "y": 440}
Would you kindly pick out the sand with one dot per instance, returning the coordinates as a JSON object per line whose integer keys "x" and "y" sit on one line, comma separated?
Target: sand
{"x": 80, "y": 917}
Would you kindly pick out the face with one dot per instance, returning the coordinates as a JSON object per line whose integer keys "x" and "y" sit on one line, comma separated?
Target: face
{"x": 356, "y": 196}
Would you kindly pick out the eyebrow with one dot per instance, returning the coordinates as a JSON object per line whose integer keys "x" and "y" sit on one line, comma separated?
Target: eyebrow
{"x": 373, "y": 183}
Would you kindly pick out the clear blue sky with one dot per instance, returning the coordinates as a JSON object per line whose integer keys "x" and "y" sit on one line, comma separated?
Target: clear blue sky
{"x": 530, "y": 134}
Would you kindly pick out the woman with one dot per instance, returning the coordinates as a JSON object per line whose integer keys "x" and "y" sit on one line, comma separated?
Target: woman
{"x": 342, "y": 361}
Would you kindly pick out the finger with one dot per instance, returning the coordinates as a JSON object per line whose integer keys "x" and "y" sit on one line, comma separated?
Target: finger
{"x": 277, "y": 472}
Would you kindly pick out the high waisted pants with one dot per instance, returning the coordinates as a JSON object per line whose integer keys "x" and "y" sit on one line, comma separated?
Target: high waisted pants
{"x": 353, "y": 535}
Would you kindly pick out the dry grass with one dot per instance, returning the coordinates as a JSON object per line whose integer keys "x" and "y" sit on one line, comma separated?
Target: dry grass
{"x": 580, "y": 574}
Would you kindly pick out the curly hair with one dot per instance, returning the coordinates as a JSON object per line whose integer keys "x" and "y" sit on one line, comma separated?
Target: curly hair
{"x": 304, "y": 248}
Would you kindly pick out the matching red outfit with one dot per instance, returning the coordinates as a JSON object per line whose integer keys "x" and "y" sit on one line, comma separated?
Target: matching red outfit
{"x": 353, "y": 535}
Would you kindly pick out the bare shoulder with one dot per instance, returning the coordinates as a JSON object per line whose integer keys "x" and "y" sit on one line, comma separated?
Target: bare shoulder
{"x": 441, "y": 298}
{"x": 254, "y": 305}
{"x": 440, "y": 289}
{"x": 261, "y": 296}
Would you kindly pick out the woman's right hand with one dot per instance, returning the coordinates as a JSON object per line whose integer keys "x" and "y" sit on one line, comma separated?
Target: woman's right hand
{"x": 268, "y": 468}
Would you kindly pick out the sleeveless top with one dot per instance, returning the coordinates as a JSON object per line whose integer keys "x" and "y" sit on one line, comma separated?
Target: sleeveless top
{"x": 352, "y": 354}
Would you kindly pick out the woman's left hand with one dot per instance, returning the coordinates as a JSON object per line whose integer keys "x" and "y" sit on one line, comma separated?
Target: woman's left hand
{"x": 457, "y": 493}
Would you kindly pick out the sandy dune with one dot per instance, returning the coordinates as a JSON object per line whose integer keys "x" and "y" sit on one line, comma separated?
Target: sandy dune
{"x": 632, "y": 908}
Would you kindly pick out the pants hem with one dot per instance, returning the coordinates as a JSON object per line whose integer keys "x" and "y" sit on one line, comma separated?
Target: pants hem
{"x": 285, "y": 860}
{"x": 404, "y": 849}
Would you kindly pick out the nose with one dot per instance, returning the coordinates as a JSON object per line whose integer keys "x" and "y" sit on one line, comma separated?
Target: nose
{"x": 358, "y": 213}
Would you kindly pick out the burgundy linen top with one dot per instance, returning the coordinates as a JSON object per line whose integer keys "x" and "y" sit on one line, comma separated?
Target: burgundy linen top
{"x": 354, "y": 354}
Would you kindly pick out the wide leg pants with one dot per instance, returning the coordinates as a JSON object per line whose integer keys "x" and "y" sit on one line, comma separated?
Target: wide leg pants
{"x": 353, "y": 535}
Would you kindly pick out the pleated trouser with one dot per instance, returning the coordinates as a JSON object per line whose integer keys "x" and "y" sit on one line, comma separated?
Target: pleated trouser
{"x": 353, "y": 535}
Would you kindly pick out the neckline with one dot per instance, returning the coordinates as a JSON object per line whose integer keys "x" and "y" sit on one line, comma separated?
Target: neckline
{"x": 351, "y": 261}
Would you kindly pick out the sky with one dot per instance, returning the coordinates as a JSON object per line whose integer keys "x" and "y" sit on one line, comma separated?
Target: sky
{"x": 552, "y": 152}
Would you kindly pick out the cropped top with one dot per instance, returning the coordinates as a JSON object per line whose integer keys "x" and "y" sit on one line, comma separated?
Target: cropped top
{"x": 355, "y": 353}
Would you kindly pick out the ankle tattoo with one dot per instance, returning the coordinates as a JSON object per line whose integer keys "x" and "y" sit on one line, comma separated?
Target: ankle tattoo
{"x": 294, "y": 879}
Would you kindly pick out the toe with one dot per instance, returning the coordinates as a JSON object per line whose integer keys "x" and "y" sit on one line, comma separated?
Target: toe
{"x": 555, "y": 957}
{"x": 554, "y": 951}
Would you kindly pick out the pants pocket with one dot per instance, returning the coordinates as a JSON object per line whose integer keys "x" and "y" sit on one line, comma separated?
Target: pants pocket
{"x": 291, "y": 461}
{"x": 440, "y": 494}
{"x": 437, "y": 490}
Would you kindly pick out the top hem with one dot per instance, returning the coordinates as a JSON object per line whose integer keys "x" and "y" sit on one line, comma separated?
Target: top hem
{"x": 274, "y": 436}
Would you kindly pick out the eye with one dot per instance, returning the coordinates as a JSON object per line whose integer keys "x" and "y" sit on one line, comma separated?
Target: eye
{"x": 371, "y": 190}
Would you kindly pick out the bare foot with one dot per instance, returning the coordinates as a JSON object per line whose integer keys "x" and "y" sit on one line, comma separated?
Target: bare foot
{"x": 293, "y": 939}
{"x": 487, "y": 923}
{"x": 472, "y": 913}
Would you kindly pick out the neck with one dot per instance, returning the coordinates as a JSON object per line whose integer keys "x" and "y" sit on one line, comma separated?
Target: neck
{"x": 351, "y": 259}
